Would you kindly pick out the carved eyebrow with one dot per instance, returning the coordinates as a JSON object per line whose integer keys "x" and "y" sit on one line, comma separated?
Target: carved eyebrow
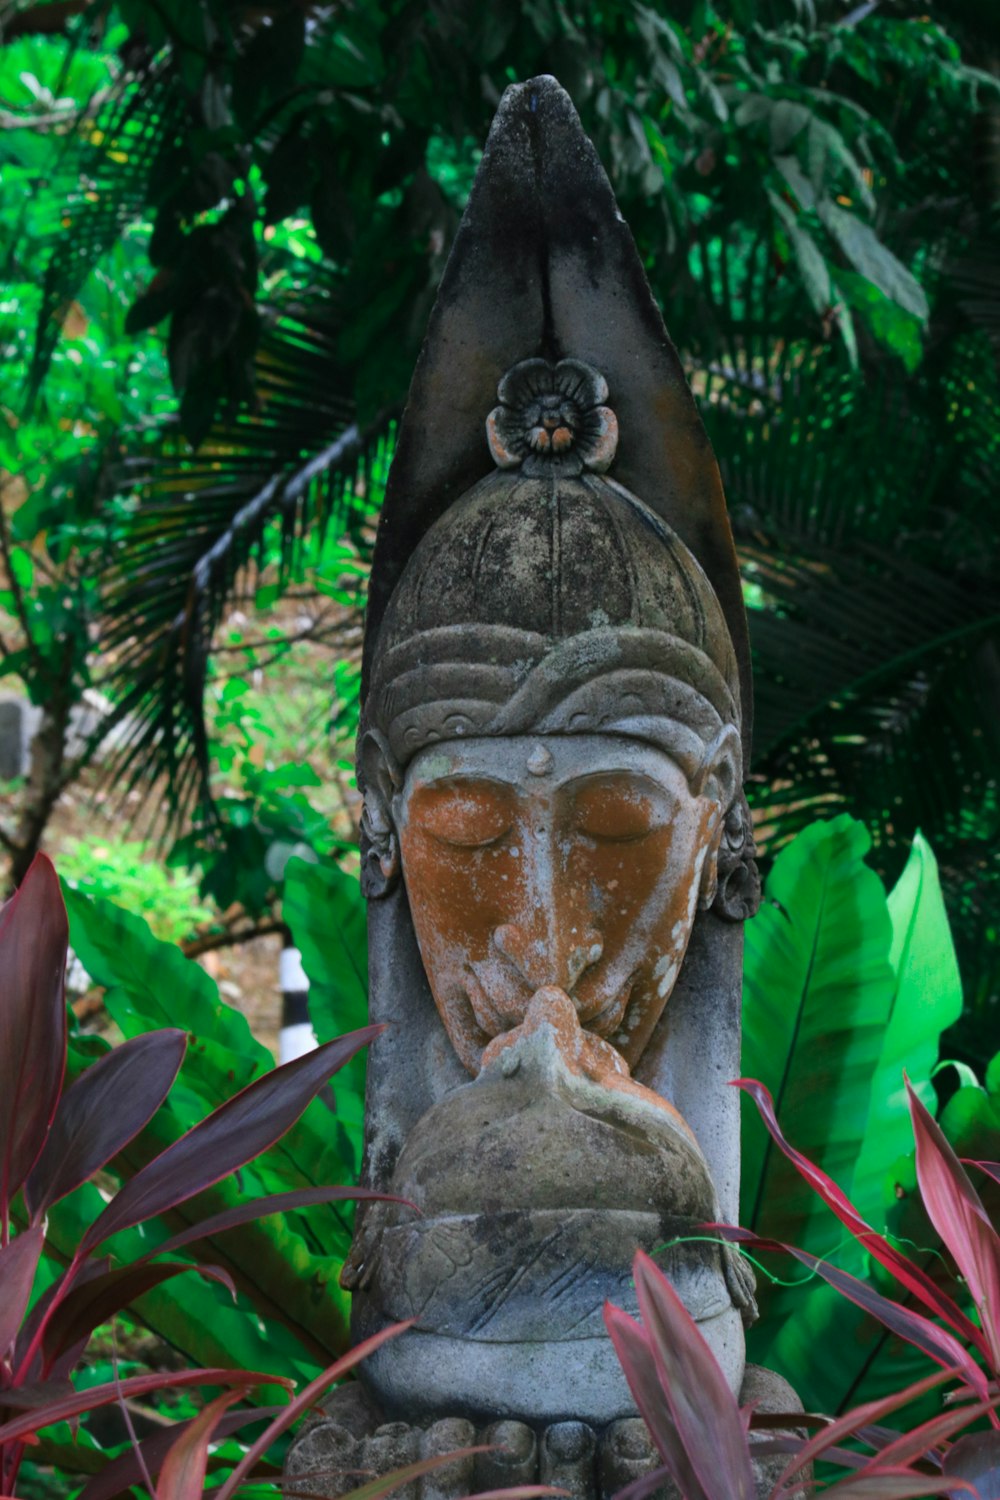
{"x": 640, "y": 781}
{"x": 469, "y": 781}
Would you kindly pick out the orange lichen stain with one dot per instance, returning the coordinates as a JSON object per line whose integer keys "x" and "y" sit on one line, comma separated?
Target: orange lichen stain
{"x": 589, "y": 887}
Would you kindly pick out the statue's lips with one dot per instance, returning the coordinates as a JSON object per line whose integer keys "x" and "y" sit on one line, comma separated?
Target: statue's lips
{"x": 498, "y": 1013}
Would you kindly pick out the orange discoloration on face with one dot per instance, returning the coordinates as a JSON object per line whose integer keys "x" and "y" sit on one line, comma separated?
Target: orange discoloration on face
{"x": 585, "y": 879}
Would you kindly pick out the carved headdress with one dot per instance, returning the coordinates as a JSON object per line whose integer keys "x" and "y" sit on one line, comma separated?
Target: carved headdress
{"x": 554, "y": 558}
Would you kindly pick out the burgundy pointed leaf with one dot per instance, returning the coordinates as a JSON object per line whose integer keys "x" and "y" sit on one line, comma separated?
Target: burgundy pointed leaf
{"x": 909, "y": 1275}
{"x": 27, "y": 1337}
{"x": 186, "y": 1464}
{"x": 303, "y": 1401}
{"x": 936, "y": 1342}
{"x": 898, "y": 1484}
{"x": 850, "y": 1424}
{"x": 75, "y": 1405}
{"x": 977, "y": 1459}
{"x": 705, "y": 1411}
{"x": 88, "y": 1306}
{"x": 33, "y": 938}
{"x": 18, "y": 1264}
{"x": 991, "y": 1168}
{"x": 126, "y": 1470}
{"x": 518, "y": 1492}
{"x": 957, "y": 1213}
{"x": 910, "y": 1446}
{"x": 636, "y": 1358}
{"x": 259, "y": 1208}
{"x": 243, "y": 1127}
{"x": 101, "y": 1112}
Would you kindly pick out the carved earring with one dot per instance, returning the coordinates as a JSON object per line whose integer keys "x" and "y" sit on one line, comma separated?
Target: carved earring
{"x": 737, "y": 895}
{"x": 709, "y": 883}
{"x": 380, "y": 778}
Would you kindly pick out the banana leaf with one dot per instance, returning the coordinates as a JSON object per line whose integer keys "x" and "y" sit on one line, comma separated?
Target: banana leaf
{"x": 818, "y": 992}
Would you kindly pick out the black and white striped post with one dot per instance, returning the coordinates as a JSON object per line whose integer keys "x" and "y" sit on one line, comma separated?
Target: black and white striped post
{"x": 297, "y": 1036}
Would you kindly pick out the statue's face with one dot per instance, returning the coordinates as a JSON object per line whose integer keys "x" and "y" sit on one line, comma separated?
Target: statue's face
{"x": 573, "y": 861}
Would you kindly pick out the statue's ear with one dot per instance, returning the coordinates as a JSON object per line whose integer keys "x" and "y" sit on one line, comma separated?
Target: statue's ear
{"x": 380, "y": 779}
{"x": 719, "y": 779}
{"x": 720, "y": 774}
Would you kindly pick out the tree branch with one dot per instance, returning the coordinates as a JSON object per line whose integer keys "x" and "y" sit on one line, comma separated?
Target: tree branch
{"x": 210, "y": 942}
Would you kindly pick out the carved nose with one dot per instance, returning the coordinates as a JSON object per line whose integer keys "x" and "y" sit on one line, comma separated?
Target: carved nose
{"x": 539, "y": 963}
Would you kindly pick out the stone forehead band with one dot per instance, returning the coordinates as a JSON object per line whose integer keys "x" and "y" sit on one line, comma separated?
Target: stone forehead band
{"x": 642, "y": 683}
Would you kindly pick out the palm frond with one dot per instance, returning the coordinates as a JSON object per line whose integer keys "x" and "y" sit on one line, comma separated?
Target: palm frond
{"x": 99, "y": 189}
{"x": 300, "y": 461}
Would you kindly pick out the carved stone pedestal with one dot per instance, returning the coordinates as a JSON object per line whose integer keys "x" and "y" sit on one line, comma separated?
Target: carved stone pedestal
{"x": 351, "y": 1444}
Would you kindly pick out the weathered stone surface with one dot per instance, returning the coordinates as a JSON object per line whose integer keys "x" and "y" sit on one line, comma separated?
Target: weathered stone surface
{"x": 555, "y": 842}
{"x": 544, "y": 264}
{"x": 592, "y": 1464}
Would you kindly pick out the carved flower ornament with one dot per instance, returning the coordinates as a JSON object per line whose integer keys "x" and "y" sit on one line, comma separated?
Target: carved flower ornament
{"x": 551, "y": 419}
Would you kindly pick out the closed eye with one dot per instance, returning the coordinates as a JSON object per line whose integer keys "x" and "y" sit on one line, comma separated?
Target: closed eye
{"x": 612, "y": 813}
{"x": 466, "y": 815}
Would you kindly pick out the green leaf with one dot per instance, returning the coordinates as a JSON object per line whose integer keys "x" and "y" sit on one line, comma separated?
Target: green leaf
{"x": 150, "y": 983}
{"x": 927, "y": 998}
{"x": 815, "y": 276}
{"x": 818, "y": 991}
{"x": 890, "y": 324}
{"x": 971, "y": 1118}
{"x": 873, "y": 260}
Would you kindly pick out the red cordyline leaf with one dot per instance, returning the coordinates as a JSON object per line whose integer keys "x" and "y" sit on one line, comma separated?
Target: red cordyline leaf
{"x": 259, "y": 1208}
{"x": 910, "y": 1446}
{"x": 909, "y": 1275}
{"x": 126, "y": 1469}
{"x": 96, "y": 1301}
{"x": 899, "y": 1484}
{"x": 76, "y": 1404}
{"x": 18, "y": 1264}
{"x": 303, "y": 1402}
{"x": 247, "y": 1124}
{"x": 33, "y": 936}
{"x": 101, "y": 1112}
{"x": 936, "y": 1342}
{"x": 186, "y": 1463}
{"x": 705, "y": 1411}
{"x": 26, "y": 1338}
{"x": 991, "y": 1168}
{"x": 851, "y": 1424}
{"x": 518, "y": 1492}
{"x": 635, "y": 1356}
{"x": 957, "y": 1213}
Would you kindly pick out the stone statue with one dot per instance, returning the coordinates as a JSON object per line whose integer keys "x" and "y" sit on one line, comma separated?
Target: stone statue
{"x": 556, "y": 848}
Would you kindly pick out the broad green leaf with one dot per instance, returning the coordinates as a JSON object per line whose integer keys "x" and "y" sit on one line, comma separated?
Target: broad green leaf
{"x": 971, "y": 1118}
{"x": 818, "y": 991}
{"x": 893, "y": 326}
{"x": 873, "y": 260}
{"x": 150, "y": 984}
{"x": 927, "y": 998}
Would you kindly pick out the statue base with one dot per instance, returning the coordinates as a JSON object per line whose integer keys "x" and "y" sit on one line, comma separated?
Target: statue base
{"x": 351, "y": 1443}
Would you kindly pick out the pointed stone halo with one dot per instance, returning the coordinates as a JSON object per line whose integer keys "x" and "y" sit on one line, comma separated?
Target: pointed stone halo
{"x": 552, "y": 419}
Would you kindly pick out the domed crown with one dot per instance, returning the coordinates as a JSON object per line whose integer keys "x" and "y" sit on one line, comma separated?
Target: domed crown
{"x": 551, "y": 599}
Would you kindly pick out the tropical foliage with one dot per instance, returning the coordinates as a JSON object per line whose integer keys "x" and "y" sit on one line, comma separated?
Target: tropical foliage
{"x": 55, "y": 1289}
{"x": 274, "y": 189}
{"x": 702, "y": 1434}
